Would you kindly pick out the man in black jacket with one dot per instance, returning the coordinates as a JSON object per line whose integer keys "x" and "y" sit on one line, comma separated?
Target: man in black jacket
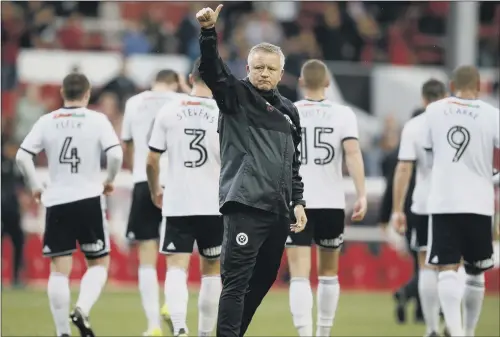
{"x": 259, "y": 132}
{"x": 12, "y": 181}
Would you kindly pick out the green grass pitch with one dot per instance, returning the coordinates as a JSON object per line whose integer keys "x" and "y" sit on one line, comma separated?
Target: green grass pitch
{"x": 119, "y": 313}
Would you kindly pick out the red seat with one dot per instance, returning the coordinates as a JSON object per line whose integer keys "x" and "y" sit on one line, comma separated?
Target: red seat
{"x": 9, "y": 101}
{"x": 399, "y": 51}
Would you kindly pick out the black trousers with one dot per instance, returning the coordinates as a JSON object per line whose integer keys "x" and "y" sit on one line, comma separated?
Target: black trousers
{"x": 410, "y": 289}
{"x": 11, "y": 226}
{"x": 252, "y": 248}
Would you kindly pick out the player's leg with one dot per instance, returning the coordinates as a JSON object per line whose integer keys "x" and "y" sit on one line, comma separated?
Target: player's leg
{"x": 266, "y": 267}
{"x": 298, "y": 251}
{"x": 93, "y": 237}
{"x": 59, "y": 242}
{"x": 209, "y": 232}
{"x": 177, "y": 243}
{"x": 329, "y": 237}
{"x": 444, "y": 252}
{"x": 428, "y": 278}
{"x": 410, "y": 289}
{"x": 143, "y": 230}
{"x": 496, "y": 239}
{"x": 477, "y": 251}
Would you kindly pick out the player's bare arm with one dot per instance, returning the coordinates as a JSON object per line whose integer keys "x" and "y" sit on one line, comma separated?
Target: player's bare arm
{"x": 128, "y": 151}
{"x": 114, "y": 158}
{"x": 355, "y": 166}
{"x": 26, "y": 165}
{"x": 402, "y": 177}
{"x": 153, "y": 172}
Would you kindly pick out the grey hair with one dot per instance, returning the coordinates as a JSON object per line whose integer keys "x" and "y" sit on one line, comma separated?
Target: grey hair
{"x": 269, "y": 48}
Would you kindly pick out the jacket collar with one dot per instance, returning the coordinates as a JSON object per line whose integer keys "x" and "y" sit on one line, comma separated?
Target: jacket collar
{"x": 272, "y": 96}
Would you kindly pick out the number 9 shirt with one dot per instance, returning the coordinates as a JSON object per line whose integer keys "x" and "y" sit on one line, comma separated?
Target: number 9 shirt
{"x": 462, "y": 135}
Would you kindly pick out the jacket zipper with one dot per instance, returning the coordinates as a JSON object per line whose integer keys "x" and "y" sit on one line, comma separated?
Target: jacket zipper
{"x": 281, "y": 181}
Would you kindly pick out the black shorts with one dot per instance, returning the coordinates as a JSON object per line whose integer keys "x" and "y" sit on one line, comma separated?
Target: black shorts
{"x": 181, "y": 232}
{"x": 418, "y": 225}
{"x": 324, "y": 226}
{"x": 144, "y": 218}
{"x": 456, "y": 236}
{"x": 81, "y": 221}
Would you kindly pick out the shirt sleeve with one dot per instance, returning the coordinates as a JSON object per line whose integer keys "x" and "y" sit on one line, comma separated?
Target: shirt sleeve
{"x": 350, "y": 130}
{"x": 127, "y": 123}
{"x": 33, "y": 143}
{"x": 158, "y": 139}
{"x": 496, "y": 139}
{"x": 407, "y": 146}
{"x": 108, "y": 136}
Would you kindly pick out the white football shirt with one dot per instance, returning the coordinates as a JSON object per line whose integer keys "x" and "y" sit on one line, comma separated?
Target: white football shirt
{"x": 73, "y": 140}
{"x": 187, "y": 130}
{"x": 325, "y": 125}
{"x": 140, "y": 113}
{"x": 462, "y": 135}
{"x": 412, "y": 149}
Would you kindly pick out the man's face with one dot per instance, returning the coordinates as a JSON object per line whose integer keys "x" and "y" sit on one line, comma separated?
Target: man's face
{"x": 264, "y": 70}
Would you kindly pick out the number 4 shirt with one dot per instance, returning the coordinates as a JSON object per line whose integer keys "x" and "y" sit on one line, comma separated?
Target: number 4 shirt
{"x": 187, "y": 129}
{"x": 73, "y": 140}
{"x": 325, "y": 126}
{"x": 462, "y": 135}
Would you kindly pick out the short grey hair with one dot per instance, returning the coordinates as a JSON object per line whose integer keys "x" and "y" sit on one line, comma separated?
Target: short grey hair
{"x": 268, "y": 48}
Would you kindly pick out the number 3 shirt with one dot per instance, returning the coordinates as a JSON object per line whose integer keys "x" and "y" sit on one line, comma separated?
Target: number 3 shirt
{"x": 325, "y": 126}
{"x": 73, "y": 140}
{"x": 187, "y": 129}
{"x": 462, "y": 135}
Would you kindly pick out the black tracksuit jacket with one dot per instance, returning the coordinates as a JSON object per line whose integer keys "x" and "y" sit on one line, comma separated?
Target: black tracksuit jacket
{"x": 259, "y": 134}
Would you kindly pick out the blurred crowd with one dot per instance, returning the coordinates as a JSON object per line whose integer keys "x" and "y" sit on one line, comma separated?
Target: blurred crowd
{"x": 379, "y": 31}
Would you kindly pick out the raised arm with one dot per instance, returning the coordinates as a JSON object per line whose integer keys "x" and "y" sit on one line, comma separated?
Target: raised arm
{"x": 212, "y": 69}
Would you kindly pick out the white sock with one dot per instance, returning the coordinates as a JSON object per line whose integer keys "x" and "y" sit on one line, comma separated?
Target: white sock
{"x": 176, "y": 297}
{"x": 472, "y": 302}
{"x": 428, "y": 292}
{"x": 301, "y": 305}
{"x": 450, "y": 296}
{"x": 208, "y": 304}
{"x": 328, "y": 299}
{"x": 148, "y": 287}
{"x": 59, "y": 299}
{"x": 91, "y": 286}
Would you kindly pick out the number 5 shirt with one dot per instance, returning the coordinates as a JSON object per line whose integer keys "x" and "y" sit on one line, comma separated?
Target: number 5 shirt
{"x": 462, "y": 135}
{"x": 187, "y": 129}
{"x": 325, "y": 126}
{"x": 73, "y": 140}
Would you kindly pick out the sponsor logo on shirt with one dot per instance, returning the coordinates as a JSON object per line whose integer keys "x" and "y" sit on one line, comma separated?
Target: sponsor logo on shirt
{"x": 195, "y": 103}
{"x": 63, "y": 115}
